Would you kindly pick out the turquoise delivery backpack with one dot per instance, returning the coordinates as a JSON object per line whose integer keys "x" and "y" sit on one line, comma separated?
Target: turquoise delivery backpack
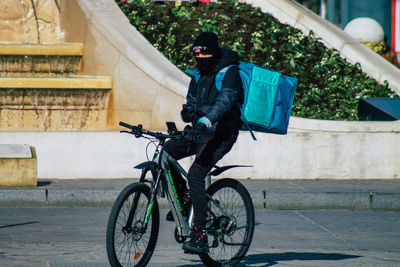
{"x": 268, "y": 97}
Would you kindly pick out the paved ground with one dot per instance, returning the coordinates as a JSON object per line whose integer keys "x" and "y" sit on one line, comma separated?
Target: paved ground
{"x": 270, "y": 194}
{"x": 66, "y": 237}
{"x": 62, "y": 223}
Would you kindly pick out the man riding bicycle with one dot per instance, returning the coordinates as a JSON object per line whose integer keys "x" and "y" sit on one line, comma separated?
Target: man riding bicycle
{"x": 215, "y": 116}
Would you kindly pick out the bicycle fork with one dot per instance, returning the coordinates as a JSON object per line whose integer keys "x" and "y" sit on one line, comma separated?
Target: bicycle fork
{"x": 149, "y": 207}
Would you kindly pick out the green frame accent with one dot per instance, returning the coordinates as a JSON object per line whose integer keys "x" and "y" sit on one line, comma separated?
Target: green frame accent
{"x": 174, "y": 189}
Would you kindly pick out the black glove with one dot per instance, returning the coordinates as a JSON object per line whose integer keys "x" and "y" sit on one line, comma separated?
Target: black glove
{"x": 198, "y": 130}
{"x": 187, "y": 113}
{"x": 187, "y": 129}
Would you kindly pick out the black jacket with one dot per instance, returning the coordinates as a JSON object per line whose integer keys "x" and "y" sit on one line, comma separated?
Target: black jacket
{"x": 219, "y": 107}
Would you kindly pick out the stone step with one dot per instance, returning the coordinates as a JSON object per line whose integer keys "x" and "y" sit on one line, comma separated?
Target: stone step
{"x": 83, "y": 92}
{"x": 62, "y": 49}
{"x": 18, "y": 59}
{"x": 30, "y": 93}
{"x": 74, "y": 82}
{"x": 54, "y": 103}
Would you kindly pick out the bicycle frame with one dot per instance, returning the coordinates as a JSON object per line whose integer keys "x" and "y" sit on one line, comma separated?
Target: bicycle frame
{"x": 160, "y": 167}
{"x": 162, "y": 162}
{"x": 183, "y": 226}
{"x": 133, "y": 236}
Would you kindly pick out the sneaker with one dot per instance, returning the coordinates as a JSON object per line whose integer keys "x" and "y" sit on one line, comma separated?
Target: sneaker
{"x": 198, "y": 242}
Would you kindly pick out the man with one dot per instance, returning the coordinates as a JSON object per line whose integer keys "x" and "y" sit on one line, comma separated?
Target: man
{"x": 215, "y": 116}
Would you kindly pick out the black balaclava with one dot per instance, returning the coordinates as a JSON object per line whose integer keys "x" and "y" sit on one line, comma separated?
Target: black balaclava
{"x": 207, "y": 43}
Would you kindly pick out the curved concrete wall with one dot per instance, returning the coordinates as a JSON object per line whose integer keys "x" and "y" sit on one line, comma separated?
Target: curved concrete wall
{"x": 148, "y": 89}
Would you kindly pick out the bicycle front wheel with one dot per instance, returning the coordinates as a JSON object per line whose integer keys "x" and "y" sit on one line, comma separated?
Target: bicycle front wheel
{"x": 230, "y": 223}
{"x": 129, "y": 242}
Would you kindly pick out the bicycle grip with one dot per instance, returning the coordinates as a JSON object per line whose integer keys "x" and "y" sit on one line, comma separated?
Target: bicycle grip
{"x": 126, "y": 125}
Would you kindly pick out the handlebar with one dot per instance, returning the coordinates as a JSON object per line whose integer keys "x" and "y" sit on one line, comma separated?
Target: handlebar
{"x": 138, "y": 131}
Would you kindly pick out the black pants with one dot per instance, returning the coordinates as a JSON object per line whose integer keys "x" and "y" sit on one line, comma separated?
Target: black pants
{"x": 208, "y": 150}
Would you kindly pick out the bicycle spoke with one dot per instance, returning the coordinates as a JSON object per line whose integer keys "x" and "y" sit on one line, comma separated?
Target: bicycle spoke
{"x": 131, "y": 242}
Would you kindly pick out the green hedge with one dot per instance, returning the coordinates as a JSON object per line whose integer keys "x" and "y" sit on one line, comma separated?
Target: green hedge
{"x": 329, "y": 87}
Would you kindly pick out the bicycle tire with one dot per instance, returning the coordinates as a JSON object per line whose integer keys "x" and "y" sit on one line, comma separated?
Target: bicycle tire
{"x": 135, "y": 248}
{"x": 228, "y": 249}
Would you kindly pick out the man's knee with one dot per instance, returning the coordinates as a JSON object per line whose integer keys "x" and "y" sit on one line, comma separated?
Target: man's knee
{"x": 198, "y": 171}
{"x": 169, "y": 147}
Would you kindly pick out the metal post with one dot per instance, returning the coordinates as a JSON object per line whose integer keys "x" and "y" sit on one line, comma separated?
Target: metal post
{"x": 322, "y": 9}
{"x": 331, "y": 10}
{"x": 345, "y": 12}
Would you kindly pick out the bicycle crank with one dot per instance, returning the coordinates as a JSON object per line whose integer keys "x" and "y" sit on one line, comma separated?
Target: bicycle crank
{"x": 179, "y": 238}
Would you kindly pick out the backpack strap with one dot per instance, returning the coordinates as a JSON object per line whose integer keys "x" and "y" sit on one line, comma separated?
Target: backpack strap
{"x": 246, "y": 124}
{"x": 194, "y": 73}
{"x": 220, "y": 77}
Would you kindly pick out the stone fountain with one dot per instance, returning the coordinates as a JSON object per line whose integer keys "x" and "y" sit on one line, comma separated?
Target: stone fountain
{"x": 41, "y": 86}
{"x": 41, "y": 89}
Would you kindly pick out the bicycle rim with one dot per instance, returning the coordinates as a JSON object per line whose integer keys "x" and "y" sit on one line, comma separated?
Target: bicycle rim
{"x": 229, "y": 246}
{"x": 132, "y": 246}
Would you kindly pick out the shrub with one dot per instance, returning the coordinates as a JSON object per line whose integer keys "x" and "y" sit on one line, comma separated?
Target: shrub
{"x": 329, "y": 87}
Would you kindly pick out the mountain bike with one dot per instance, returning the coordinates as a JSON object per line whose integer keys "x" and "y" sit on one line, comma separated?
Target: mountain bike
{"x": 133, "y": 224}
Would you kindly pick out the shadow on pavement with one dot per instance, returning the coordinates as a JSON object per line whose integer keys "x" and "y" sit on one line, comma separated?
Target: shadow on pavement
{"x": 270, "y": 259}
{"x": 18, "y": 224}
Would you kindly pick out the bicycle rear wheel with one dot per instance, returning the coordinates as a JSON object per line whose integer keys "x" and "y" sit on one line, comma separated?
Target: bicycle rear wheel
{"x": 131, "y": 244}
{"x": 231, "y": 226}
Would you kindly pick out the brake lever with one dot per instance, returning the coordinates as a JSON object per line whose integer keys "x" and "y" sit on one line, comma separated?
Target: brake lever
{"x": 135, "y": 133}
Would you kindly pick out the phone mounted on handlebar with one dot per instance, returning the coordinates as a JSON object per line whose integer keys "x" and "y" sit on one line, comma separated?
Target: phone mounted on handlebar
{"x": 172, "y": 130}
